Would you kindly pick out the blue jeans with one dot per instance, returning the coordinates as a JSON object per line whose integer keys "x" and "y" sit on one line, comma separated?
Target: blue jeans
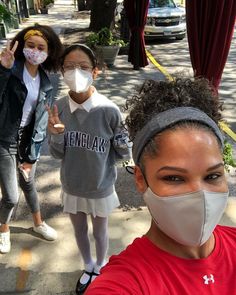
{"x": 9, "y": 186}
{"x": 29, "y": 190}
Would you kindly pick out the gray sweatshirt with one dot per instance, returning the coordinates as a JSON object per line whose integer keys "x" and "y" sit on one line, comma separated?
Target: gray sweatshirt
{"x": 90, "y": 147}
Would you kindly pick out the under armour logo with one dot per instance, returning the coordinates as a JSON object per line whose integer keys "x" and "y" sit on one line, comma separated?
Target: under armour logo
{"x": 209, "y": 279}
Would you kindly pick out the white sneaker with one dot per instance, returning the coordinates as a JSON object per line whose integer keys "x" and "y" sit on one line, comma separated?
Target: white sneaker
{"x": 5, "y": 243}
{"x": 46, "y": 231}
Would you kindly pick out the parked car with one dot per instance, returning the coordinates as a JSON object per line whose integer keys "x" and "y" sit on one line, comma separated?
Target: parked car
{"x": 165, "y": 19}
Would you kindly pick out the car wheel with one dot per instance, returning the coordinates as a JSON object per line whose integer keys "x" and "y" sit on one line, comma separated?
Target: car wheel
{"x": 180, "y": 37}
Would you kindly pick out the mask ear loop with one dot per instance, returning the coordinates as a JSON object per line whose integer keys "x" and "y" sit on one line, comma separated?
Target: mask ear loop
{"x": 129, "y": 169}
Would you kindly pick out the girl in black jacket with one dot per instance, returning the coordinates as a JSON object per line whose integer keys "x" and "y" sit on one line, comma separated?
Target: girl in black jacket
{"x": 25, "y": 92}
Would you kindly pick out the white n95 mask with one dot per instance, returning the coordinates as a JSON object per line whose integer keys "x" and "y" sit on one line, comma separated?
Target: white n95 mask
{"x": 188, "y": 219}
{"x": 78, "y": 80}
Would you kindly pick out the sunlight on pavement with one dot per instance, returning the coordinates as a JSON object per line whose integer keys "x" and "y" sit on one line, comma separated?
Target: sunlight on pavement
{"x": 230, "y": 211}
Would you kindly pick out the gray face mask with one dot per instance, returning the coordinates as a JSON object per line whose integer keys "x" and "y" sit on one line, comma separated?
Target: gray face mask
{"x": 188, "y": 219}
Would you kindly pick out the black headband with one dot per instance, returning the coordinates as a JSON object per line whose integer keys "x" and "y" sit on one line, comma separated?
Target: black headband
{"x": 167, "y": 118}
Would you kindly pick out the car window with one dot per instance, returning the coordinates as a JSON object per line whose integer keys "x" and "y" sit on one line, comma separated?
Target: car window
{"x": 161, "y": 3}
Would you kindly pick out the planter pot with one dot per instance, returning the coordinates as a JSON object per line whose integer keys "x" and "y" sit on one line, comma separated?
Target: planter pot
{"x": 2, "y": 31}
{"x": 12, "y": 23}
{"x": 106, "y": 55}
{"x": 44, "y": 10}
{"x": 31, "y": 7}
{"x": 15, "y": 23}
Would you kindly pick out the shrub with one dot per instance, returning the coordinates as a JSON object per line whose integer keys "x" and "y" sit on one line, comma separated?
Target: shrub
{"x": 5, "y": 14}
{"x": 103, "y": 38}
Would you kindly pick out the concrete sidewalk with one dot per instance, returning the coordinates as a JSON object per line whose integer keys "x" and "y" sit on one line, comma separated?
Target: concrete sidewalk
{"x": 35, "y": 266}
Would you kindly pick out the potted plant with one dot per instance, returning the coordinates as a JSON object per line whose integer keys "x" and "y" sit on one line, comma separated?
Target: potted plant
{"x": 5, "y": 16}
{"x": 105, "y": 45}
{"x": 45, "y": 5}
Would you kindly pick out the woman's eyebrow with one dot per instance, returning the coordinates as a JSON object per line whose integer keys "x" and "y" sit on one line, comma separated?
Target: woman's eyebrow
{"x": 219, "y": 165}
{"x": 172, "y": 168}
{"x": 77, "y": 63}
{"x": 33, "y": 43}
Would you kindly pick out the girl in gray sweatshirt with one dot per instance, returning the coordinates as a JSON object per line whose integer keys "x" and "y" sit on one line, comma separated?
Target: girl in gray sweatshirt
{"x": 87, "y": 135}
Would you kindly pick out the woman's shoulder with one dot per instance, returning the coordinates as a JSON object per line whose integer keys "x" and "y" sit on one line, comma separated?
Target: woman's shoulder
{"x": 226, "y": 235}
{"x": 134, "y": 250}
{"x": 226, "y": 231}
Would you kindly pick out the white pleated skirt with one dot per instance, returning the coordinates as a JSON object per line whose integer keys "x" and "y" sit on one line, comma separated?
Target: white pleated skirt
{"x": 101, "y": 207}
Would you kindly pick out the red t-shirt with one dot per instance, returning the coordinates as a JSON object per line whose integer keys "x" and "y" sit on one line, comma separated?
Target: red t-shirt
{"x": 143, "y": 268}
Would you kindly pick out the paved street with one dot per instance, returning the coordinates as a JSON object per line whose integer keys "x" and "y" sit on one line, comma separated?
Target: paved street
{"x": 36, "y": 266}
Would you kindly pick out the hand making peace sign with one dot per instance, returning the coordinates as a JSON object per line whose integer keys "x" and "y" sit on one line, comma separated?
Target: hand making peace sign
{"x": 7, "y": 55}
{"x": 55, "y": 126}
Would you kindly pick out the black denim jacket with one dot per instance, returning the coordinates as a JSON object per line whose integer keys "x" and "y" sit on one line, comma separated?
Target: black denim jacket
{"x": 13, "y": 93}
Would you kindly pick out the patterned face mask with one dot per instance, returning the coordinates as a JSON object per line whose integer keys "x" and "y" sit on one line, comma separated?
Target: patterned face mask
{"x": 35, "y": 56}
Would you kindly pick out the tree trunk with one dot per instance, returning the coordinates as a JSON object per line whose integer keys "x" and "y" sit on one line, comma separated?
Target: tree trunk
{"x": 88, "y": 4}
{"x": 84, "y": 4}
{"x": 81, "y": 5}
{"x": 102, "y": 14}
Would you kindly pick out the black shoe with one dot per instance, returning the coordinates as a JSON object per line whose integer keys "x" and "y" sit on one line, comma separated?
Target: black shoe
{"x": 80, "y": 288}
{"x": 93, "y": 276}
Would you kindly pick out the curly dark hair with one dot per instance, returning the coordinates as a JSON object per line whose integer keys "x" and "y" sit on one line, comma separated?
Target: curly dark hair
{"x": 55, "y": 47}
{"x": 157, "y": 96}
